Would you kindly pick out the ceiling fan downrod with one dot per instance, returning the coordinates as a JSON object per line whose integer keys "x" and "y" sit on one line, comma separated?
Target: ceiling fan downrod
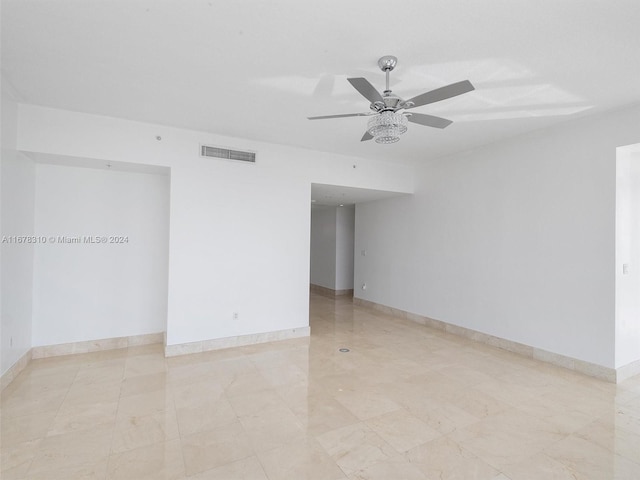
{"x": 386, "y": 64}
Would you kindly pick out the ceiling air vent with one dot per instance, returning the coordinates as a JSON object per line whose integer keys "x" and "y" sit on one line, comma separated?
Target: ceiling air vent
{"x": 216, "y": 152}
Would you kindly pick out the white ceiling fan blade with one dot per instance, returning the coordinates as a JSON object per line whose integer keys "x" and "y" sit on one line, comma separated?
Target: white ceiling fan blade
{"x": 343, "y": 115}
{"x": 365, "y": 88}
{"x": 441, "y": 93}
{"x": 428, "y": 120}
{"x": 366, "y": 136}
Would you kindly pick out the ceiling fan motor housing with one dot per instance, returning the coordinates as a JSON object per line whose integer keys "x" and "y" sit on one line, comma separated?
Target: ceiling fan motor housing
{"x": 387, "y": 63}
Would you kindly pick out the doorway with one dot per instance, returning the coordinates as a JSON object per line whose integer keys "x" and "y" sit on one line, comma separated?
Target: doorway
{"x": 627, "y": 258}
{"x": 332, "y": 244}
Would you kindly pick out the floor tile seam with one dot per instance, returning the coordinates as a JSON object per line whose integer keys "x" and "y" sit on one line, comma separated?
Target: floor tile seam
{"x": 367, "y": 418}
{"x": 576, "y": 407}
{"x": 530, "y": 457}
{"x": 4, "y": 418}
{"x": 401, "y": 453}
{"x": 520, "y": 411}
{"x": 255, "y": 455}
{"x": 251, "y": 392}
{"x": 488, "y": 461}
{"x": 99, "y": 367}
{"x": 344, "y": 471}
{"x": 113, "y": 455}
{"x": 144, "y": 416}
{"x": 184, "y": 435}
{"x": 89, "y": 384}
{"x": 113, "y": 432}
{"x": 262, "y": 466}
{"x": 264, "y": 470}
{"x": 58, "y": 361}
{"x": 615, "y": 455}
{"x": 184, "y": 462}
{"x": 130, "y": 451}
{"x": 201, "y": 403}
{"x": 284, "y": 403}
{"x": 564, "y": 460}
{"x": 188, "y": 475}
{"x": 299, "y": 423}
{"x": 462, "y": 448}
{"x": 29, "y": 383}
{"x": 20, "y": 397}
{"x": 236, "y": 419}
{"x": 605, "y": 418}
{"x": 550, "y": 446}
{"x": 164, "y": 387}
{"x": 52, "y": 422}
{"x": 272, "y": 448}
{"x": 35, "y": 453}
{"x": 79, "y": 465}
{"x": 634, "y": 460}
{"x": 629, "y": 430}
{"x": 118, "y": 411}
{"x": 320, "y": 386}
{"x": 77, "y": 431}
{"x": 66, "y": 465}
{"x": 189, "y": 380}
{"x": 511, "y": 404}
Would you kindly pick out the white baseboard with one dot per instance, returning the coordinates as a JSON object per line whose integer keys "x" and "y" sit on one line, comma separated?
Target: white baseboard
{"x": 330, "y": 292}
{"x": 46, "y": 351}
{"x": 15, "y": 369}
{"x": 96, "y": 345}
{"x": 627, "y": 371}
{"x": 238, "y": 341}
{"x": 591, "y": 369}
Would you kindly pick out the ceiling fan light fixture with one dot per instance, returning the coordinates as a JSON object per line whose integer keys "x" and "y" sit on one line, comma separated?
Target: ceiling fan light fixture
{"x": 387, "y": 127}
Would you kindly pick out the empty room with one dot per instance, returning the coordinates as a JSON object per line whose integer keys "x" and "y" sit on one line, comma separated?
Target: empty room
{"x": 280, "y": 240}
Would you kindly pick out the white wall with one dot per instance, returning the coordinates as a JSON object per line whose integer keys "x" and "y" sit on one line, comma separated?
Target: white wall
{"x": 323, "y": 246}
{"x": 515, "y": 239}
{"x": 17, "y": 198}
{"x": 239, "y": 233}
{"x": 628, "y": 252}
{"x": 86, "y": 291}
{"x": 345, "y": 235}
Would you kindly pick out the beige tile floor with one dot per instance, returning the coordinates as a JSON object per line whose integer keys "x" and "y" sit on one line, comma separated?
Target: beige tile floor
{"x": 405, "y": 403}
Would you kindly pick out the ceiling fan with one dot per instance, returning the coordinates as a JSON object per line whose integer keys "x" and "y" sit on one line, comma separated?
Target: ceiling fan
{"x": 387, "y": 123}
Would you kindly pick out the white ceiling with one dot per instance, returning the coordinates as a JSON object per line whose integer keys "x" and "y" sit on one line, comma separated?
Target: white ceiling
{"x": 257, "y": 69}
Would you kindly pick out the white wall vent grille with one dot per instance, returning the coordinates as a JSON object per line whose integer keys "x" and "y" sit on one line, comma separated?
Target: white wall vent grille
{"x": 217, "y": 152}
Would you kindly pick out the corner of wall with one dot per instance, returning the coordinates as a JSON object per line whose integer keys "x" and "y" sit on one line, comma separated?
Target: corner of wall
{"x": 17, "y": 192}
